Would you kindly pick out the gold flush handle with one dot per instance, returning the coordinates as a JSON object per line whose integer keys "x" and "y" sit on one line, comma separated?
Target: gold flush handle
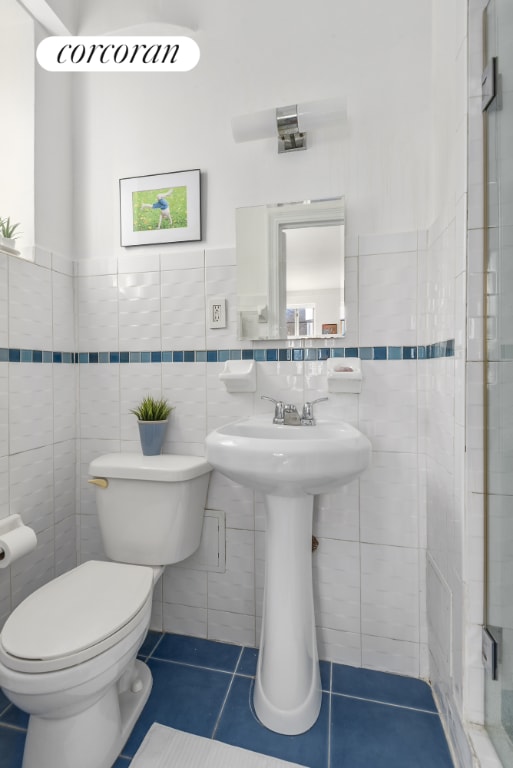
{"x": 101, "y": 482}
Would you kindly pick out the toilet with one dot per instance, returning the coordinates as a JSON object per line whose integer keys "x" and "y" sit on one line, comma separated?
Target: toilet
{"x": 68, "y": 652}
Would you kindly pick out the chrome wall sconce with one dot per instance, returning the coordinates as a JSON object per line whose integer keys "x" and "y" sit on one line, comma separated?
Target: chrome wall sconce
{"x": 290, "y": 124}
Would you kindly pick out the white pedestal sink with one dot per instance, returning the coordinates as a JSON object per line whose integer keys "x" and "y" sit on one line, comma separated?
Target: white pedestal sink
{"x": 289, "y": 464}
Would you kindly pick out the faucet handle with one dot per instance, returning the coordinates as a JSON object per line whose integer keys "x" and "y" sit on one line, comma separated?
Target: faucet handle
{"x": 307, "y": 417}
{"x": 279, "y": 409}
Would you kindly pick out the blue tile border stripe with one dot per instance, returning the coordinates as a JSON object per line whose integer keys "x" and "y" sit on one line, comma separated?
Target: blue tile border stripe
{"x": 427, "y": 352}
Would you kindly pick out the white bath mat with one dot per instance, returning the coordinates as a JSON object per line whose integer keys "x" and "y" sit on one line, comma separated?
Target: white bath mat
{"x": 167, "y": 748}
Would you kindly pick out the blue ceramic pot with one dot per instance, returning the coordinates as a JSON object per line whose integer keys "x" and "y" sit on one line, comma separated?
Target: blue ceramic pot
{"x": 152, "y": 435}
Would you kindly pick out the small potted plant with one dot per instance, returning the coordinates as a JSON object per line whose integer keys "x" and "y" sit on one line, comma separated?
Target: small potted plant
{"x": 152, "y": 415}
{"x": 8, "y": 232}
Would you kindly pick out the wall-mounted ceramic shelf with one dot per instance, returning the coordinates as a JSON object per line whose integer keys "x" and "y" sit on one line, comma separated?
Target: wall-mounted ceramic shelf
{"x": 239, "y": 376}
{"x": 345, "y": 375}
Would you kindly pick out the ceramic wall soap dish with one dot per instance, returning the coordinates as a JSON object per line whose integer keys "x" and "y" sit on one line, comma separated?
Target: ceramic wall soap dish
{"x": 345, "y": 374}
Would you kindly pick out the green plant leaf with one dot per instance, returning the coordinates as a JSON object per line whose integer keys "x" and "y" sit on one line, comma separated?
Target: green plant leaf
{"x": 9, "y": 230}
{"x": 152, "y": 409}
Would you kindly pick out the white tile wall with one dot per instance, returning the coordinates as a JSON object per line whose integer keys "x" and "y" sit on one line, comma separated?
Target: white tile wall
{"x": 30, "y": 305}
{"x": 4, "y": 300}
{"x": 37, "y": 420}
{"x": 139, "y": 311}
{"x": 183, "y": 308}
{"x": 368, "y": 576}
{"x": 30, "y": 406}
{"x": 97, "y": 307}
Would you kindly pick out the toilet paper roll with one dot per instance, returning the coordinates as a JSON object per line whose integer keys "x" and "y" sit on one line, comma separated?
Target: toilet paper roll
{"x": 16, "y": 543}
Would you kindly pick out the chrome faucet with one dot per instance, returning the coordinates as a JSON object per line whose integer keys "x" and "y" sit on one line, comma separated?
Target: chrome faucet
{"x": 279, "y": 409}
{"x": 287, "y": 413}
{"x": 291, "y": 415}
{"x": 307, "y": 417}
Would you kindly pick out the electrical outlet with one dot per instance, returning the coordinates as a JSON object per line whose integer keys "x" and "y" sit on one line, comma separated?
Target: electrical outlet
{"x": 217, "y": 312}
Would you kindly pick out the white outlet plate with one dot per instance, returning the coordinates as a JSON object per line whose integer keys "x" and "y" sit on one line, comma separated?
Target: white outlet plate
{"x": 216, "y": 312}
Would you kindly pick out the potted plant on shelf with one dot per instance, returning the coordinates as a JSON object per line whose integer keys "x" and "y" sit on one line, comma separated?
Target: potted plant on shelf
{"x": 152, "y": 415}
{"x": 8, "y": 233}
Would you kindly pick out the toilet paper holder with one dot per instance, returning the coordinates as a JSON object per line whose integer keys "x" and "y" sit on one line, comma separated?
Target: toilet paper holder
{"x": 16, "y": 539}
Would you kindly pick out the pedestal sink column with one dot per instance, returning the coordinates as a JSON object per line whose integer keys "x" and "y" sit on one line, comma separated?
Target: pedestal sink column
{"x": 287, "y": 694}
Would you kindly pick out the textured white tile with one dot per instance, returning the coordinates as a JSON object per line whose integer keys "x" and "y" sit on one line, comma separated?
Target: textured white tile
{"x": 5, "y": 597}
{"x": 4, "y": 409}
{"x": 156, "y": 620}
{"x": 231, "y": 627}
{"x": 139, "y": 311}
{"x": 184, "y": 385}
{"x": 390, "y": 655}
{"x": 389, "y": 500}
{"x": 340, "y": 647}
{"x": 223, "y": 407}
{"x": 259, "y": 572}
{"x": 30, "y": 406}
{"x": 64, "y": 402}
{"x": 31, "y": 487}
{"x": 30, "y": 305}
{"x": 336, "y": 578}
{"x": 65, "y": 545}
{"x": 234, "y": 590}
{"x": 388, "y": 299}
{"x": 388, "y": 405}
{"x": 337, "y": 515}
{"x": 390, "y": 592}
{"x": 185, "y": 587}
{"x": 4, "y": 487}
{"x": 183, "y": 309}
{"x": 184, "y": 619}
{"x": 99, "y": 401}
{"x": 4, "y": 301}
{"x": 235, "y": 500}
{"x": 63, "y": 307}
{"x": 97, "y": 307}
{"x": 64, "y": 479}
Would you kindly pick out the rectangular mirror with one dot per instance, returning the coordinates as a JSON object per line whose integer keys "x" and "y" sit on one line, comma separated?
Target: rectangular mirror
{"x": 290, "y": 270}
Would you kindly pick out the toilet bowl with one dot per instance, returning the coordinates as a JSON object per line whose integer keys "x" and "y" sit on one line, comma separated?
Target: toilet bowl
{"x": 68, "y": 652}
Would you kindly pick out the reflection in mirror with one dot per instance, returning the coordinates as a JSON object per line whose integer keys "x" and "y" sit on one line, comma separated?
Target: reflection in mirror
{"x": 290, "y": 270}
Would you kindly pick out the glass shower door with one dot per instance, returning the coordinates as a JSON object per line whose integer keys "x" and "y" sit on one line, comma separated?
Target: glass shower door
{"x": 499, "y": 375}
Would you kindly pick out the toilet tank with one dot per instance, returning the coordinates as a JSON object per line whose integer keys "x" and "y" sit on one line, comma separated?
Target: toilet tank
{"x": 150, "y": 508}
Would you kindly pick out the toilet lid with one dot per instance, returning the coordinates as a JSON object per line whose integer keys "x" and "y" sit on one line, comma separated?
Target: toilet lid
{"x": 77, "y": 610}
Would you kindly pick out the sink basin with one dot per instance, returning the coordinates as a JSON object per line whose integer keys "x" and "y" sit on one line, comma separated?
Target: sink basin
{"x": 289, "y": 465}
{"x": 285, "y": 460}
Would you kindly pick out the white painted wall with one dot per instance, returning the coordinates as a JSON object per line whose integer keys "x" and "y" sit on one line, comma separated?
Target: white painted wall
{"x": 256, "y": 56}
{"x": 54, "y": 181}
{"x": 17, "y": 121}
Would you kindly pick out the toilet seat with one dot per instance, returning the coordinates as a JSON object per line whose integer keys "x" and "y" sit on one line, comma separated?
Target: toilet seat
{"x": 76, "y": 616}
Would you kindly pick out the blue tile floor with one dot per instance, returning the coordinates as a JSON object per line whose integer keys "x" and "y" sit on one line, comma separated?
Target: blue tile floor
{"x": 368, "y": 719}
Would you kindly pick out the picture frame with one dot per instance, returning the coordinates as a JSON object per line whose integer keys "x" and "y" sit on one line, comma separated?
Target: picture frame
{"x": 160, "y": 208}
{"x": 329, "y": 329}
